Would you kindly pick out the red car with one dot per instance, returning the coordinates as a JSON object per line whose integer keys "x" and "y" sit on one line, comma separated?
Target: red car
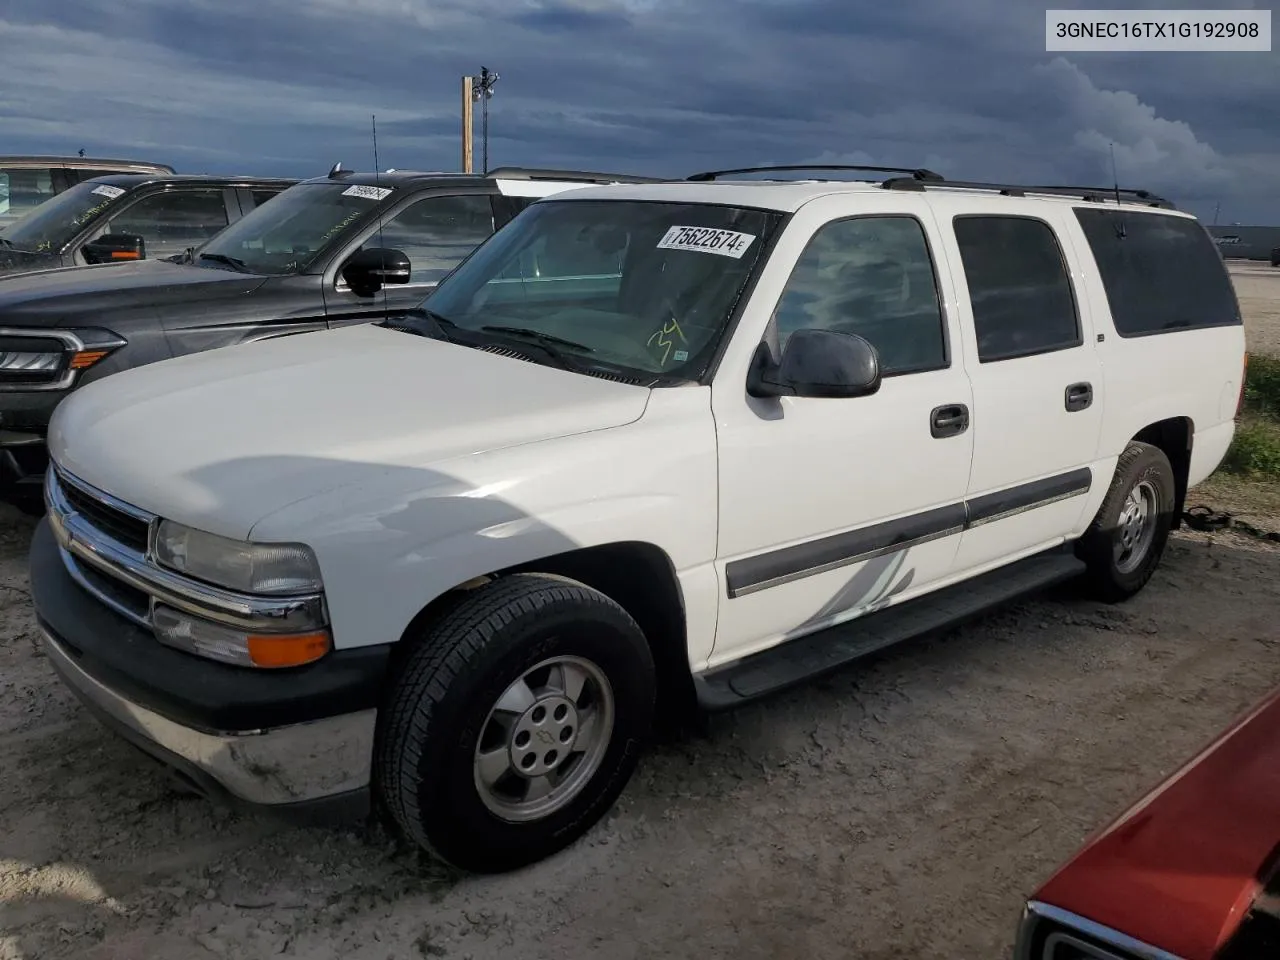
{"x": 1189, "y": 872}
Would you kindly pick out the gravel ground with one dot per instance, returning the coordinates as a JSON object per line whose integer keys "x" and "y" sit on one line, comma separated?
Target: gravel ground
{"x": 902, "y": 809}
{"x": 1258, "y": 288}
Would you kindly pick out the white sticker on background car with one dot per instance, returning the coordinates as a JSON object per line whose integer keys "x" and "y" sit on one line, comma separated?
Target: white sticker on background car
{"x": 108, "y": 191}
{"x": 727, "y": 243}
{"x": 366, "y": 193}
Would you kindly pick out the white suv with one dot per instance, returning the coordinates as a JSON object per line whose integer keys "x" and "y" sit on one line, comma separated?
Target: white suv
{"x": 650, "y": 446}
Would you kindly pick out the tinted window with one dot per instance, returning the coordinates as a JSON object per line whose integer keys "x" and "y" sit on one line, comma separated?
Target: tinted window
{"x": 262, "y": 196}
{"x": 80, "y": 174}
{"x": 1018, "y": 285}
{"x": 436, "y": 233}
{"x": 23, "y": 190}
{"x": 1161, "y": 273}
{"x": 173, "y": 221}
{"x": 870, "y": 276}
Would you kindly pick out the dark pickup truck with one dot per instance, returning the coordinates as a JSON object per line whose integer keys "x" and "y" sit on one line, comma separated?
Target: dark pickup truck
{"x": 319, "y": 255}
{"x": 132, "y": 216}
{"x": 28, "y": 181}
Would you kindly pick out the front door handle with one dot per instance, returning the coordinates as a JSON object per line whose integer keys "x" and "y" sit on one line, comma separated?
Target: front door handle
{"x": 1079, "y": 396}
{"x": 949, "y": 420}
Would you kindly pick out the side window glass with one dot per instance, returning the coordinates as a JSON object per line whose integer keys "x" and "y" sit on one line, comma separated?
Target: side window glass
{"x": 436, "y": 233}
{"x": 1018, "y": 285}
{"x": 870, "y": 276}
{"x": 173, "y": 221}
{"x": 22, "y": 190}
{"x": 262, "y": 196}
{"x": 1161, "y": 273}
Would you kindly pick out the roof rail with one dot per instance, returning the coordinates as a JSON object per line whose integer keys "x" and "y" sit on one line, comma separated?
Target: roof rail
{"x": 1089, "y": 194}
{"x": 577, "y": 176}
{"x": 916, "y": 173}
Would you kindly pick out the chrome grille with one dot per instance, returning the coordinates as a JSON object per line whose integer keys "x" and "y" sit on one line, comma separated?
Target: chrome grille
{"x": 104, "y": 543}
{"x": 125, "y": 528}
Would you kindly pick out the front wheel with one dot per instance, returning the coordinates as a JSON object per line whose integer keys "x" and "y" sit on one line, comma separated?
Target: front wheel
{"x": 515, "y": 723}
{"x": 1124, "y": 544}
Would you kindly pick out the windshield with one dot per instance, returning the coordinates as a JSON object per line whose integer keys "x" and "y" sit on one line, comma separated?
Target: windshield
{"x": 636, "y": 284}
{"x": 286, "y": 234}
{"x": 53, "y": 224}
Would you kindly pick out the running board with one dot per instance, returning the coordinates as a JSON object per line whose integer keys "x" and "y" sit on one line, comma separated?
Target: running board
{"x": 814, "y": 654}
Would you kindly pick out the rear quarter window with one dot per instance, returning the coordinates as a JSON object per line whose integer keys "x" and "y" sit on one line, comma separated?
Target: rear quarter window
{"x": 1161, "y": 273}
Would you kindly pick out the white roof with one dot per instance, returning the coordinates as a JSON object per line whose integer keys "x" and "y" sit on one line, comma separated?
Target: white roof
{"x": 788, "y": 196}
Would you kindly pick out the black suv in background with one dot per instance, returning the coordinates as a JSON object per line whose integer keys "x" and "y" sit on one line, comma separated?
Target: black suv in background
{"x": 27, "y": 181}
{"x": 317, "y": 256}
{"x": 131, "y": 216}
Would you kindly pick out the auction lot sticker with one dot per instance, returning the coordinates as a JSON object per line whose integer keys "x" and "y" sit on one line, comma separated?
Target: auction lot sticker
{"x": 726, "y": 243}
{"x": 366, "y": 193}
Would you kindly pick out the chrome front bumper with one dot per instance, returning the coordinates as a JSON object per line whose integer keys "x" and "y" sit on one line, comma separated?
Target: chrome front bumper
{"x": 313, "y": 764}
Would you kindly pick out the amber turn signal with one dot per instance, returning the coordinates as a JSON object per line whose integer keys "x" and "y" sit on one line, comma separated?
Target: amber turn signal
{"x": 293, "y": 650}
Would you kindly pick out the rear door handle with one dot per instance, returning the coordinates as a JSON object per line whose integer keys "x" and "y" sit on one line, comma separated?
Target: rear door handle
{"x": 1079, "y": 396}
{"x": 949, "y": 420}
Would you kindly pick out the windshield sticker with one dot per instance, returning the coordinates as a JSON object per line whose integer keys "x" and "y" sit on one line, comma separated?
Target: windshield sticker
{"x": 726, "y": 243}
{"x": 108, "y": 191}
{"x": 366, "y": 193}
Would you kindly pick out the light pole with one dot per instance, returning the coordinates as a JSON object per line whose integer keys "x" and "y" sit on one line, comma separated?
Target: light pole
{"x": 482, "y": 90}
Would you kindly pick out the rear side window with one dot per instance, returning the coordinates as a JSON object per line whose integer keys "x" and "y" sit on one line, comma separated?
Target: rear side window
{"x": 1022, "y": 299}
{"x": 22, "y": 190}
{"x": 262, "y": 196}
{"x": 1161, "y": 273}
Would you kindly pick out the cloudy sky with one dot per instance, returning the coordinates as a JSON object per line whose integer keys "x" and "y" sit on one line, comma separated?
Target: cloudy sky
{"x": 663, "y": 87}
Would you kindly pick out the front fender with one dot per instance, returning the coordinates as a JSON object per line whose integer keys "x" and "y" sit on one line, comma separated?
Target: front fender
{"x": 397, "y": 538}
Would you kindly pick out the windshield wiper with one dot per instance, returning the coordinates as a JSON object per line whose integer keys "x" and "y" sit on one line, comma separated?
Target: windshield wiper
{"x": 548, "y": 340}
{"x": 229, "y": 261}
{"x": 440, "y": 324}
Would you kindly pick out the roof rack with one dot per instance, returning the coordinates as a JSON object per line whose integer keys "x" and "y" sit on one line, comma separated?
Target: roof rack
{"x": 1089, "y": 194}
{"x": 917, "y": 173}
{"x": 577, "y": 176}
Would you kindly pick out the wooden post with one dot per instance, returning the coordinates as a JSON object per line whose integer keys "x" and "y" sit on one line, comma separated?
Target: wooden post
{"x": 467, "y": 138}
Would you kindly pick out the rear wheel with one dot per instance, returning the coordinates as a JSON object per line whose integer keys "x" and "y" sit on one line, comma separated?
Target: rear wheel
{"x": 1124, "y": 544}
{"x": 515, "y": 723}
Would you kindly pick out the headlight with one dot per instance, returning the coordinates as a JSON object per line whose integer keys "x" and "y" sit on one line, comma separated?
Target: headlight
{"x": 50, "y": 359}
{"x": 271, "y": 569}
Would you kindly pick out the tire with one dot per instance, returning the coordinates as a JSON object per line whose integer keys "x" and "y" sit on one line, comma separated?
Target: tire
{"x": 1119, "y": 568}
{"x": 426, "y": 771}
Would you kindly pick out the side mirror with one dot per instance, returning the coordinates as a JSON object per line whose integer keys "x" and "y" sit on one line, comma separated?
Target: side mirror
{"x": 368, "y": 270}
{"x": 816, "y": 363}
{"x": 115, "y": 248}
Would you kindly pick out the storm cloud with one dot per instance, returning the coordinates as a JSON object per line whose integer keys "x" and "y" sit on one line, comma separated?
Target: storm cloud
{"x": 664, "y": 87}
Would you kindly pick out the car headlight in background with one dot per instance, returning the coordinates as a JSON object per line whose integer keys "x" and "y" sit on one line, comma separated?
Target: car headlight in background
{"x": 49, "y": 359}
{"x": 267, "y": 569}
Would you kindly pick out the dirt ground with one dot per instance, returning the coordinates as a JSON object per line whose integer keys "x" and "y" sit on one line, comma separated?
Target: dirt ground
{"x": 902, "y": 809}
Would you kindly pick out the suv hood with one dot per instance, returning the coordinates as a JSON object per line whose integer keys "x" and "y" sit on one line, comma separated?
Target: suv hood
{"x": 14, "y": 260}
{"x": 66, "y": 296}
{"x": 219, "y": 440}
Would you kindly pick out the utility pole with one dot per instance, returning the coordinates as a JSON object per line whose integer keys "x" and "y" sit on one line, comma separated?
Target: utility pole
{"x": 467, "y": 136}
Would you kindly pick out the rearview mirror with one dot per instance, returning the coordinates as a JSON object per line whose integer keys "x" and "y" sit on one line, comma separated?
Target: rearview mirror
{"x": 115, "y": 248}
{"x": 368, "y": 270}
{"x": 816, "y": 363}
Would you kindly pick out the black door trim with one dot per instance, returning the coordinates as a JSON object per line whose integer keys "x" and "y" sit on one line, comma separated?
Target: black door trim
{"x": 776, "y": 567}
